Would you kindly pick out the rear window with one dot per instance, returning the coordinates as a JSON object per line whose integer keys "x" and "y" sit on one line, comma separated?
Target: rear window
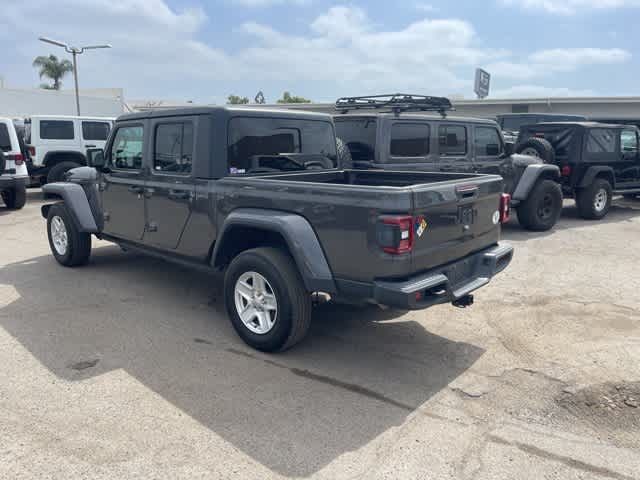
{"x": 601, "y": 140}
{"x": 452, "y": 140}
{"x": 95, "y": 130}
{"x": 359, "y": 134}
{"x": 5, "y": 140}
{"x": 279, "y": 144}
{"x": 56, "y": 130}
{"x": 409, "y": 140}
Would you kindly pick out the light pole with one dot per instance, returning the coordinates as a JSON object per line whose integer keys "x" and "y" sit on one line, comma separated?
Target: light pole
{"x": 75, "y": 51}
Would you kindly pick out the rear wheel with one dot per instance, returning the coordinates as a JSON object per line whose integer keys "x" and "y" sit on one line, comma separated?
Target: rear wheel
{"x": 16, "y": 197}
{"x": 69, "y": 246}
{"x": 542, "y": 208}
{"x": 266, "y": 300}
{"x": 594, "y": 201}
{"x": 56, "y": 173}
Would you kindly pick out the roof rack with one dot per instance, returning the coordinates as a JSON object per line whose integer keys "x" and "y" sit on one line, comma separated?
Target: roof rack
{"x": 396, "y": 102}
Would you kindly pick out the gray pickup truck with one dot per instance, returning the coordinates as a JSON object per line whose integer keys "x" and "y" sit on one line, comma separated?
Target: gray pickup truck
{"x": 260, "y": 194}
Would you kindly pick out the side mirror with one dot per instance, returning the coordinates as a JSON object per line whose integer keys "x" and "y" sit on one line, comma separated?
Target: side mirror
{"x": 509, "y": 148}
{"x": 95, "y": 158}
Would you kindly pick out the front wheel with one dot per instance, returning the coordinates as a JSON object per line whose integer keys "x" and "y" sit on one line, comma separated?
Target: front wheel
{"x": 542, "y": 208}
{"x": 266, "y": 300}
{"x": 69, "y": 246}
{"x": 16, "y": 197}
{"x": 594, "y": 201}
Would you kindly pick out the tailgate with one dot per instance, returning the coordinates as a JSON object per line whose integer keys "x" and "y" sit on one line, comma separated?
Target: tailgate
{"x": 460, "y": 217}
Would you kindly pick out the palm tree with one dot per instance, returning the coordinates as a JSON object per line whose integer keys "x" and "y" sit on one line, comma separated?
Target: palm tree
{"x": 52, "y": 68}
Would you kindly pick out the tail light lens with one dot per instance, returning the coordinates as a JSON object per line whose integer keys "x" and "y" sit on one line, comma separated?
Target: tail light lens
{"x": 32, "y": 150}
{"x": 505, "y": 207}
{"x": 566, "y": 171}
{"x": 18, "y": 158}
{"x": 395, "y": 234}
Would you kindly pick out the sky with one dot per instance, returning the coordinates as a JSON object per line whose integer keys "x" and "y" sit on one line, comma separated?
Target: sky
{"x": 321, "y": 49}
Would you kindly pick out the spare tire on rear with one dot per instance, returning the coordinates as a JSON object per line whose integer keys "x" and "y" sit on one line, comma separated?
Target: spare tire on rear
{"x": 537, "y": 147}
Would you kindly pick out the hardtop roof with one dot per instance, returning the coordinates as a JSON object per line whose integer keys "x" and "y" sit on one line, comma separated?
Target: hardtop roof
{"x": 584, "y": 125}
{"x": 232, "y": 110}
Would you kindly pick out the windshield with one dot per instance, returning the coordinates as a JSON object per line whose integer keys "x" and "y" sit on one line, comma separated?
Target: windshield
{"x": 359, "y": 134}
{"x": 280, "y": 144}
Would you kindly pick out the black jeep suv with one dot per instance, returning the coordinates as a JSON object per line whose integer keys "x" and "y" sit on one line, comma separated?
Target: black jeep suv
{"x": 596, "y": 160}
{"x": 397, "y": 132}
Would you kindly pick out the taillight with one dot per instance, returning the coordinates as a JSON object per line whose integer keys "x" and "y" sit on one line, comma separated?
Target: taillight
{"x": 505, "y": 207}
{"x": 566, "y": 171}
{"x": 18, "y": 158}
{"x": 32, "y": 150}
{"x": 395, "y": 234}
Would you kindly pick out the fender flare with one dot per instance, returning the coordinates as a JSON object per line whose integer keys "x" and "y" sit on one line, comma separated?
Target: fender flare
{"x": 76, "y": 200}
{"x": 72, "y": 154}
{"x": 531, "y": 176}
{"x": 592, "y": 172}
{"x": 300, "y": 237}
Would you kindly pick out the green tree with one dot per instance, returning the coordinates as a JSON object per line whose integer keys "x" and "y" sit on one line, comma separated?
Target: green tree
{"x": 288, "y": 98}
{"x": 53, "y": 69}
{"x": 237, "y": 100}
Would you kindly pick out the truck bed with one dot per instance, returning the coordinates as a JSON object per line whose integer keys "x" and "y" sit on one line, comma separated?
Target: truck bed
{"x": 345, "y": 207}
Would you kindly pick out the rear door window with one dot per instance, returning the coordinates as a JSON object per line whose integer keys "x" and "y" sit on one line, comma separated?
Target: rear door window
{"x": 173, "y": 152}
{"x": 56, "y": 130}
{"x": 452, "y": 140}
{"x": 629, "y": 141}
{"x": 487, "y": 142}
{"x": 410, "y": 140}
{"x": 95, "y": 130}
{"x": 601, "y": 140}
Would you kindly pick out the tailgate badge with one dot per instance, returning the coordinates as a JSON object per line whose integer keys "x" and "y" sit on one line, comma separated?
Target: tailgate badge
{"x": 421, "y": 226}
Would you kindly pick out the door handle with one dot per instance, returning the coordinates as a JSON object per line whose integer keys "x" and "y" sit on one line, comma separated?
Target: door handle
{"x": 89, "y": 146}
{"x": 179, "y": 194}
{"x": 136, "y": 189}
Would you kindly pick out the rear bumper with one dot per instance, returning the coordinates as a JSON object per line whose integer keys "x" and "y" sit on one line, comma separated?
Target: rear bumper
{"x": 444, "y": 284}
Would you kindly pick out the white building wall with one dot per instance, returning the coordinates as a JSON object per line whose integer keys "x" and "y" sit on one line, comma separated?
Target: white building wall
{"x": 19, "y": 103}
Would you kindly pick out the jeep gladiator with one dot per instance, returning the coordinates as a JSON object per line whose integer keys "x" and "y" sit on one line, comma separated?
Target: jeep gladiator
{"x": 260, "y": 195}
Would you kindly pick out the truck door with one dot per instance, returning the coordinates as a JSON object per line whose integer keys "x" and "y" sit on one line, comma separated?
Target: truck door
{"x": 170, "y": 188}
{"x": 487, "y": 150}
{"x": 453, "y": 149}
{"x": 94, "y": 133}
{"x": 122, "y": 188}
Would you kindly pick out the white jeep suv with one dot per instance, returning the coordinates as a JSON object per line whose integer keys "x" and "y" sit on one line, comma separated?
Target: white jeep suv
{"x": 13, "y": 168}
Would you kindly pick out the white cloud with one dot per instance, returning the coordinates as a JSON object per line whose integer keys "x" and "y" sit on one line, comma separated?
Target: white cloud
{"x": 559, "y": 60}
{"x": 569, "y": 7}
{"x": 538, "y": 91}
{"x": 160, "y": 52}
{"x": 268, "y": 3}
{"x": 426, "y": 7}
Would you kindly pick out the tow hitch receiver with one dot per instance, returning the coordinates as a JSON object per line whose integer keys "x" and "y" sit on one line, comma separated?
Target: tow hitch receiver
{"x": 463, "y": 302}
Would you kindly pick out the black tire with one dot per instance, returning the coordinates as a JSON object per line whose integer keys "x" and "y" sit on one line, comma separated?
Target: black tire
{"x": 587, "y": 199}
{"x": 538, "y": 147}
{"x": 344, "y": 154}
{"x": 15, "y": 198}
{"x": 542, "y": 208}
{"x": 56, "y": 173}
{"x": 293, "y": 315}
{"x": 78, "y": 245}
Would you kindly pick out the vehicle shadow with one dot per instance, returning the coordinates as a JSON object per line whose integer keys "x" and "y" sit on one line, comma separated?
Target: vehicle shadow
{"x": 360, "y": 372}
{"x": 621, "y": 210}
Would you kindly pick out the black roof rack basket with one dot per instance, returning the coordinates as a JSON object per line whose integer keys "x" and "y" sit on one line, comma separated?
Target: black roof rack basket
{"x": 396, "y": 103}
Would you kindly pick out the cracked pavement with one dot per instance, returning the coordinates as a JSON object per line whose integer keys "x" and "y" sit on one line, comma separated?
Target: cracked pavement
{"x": 128, "y": 368}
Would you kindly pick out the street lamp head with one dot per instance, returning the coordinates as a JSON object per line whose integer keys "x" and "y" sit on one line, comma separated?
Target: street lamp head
{"x": 53, "y": 42}
{"x": 91, "y": 47}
